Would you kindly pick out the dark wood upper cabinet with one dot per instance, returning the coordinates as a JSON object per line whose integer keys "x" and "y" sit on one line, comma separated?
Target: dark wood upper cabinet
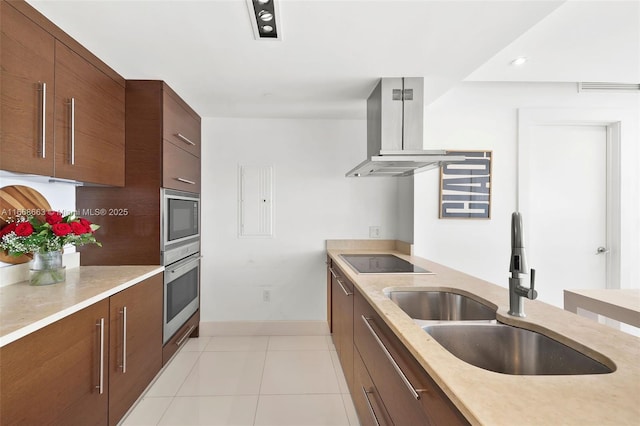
{"x": 180, "y": 170}
{"x": 163, "y": 137}
{"x": 155, "y": 158}
{"x": 181, "y": 125}
{"x": 27, "y": 85}
{"x": 63, "y": 109}
{"x": 89, "y": 125}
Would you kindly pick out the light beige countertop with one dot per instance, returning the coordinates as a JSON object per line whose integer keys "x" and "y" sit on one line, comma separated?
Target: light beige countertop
{"x": 619, "y": 304}
{"x": 490, "y": 398}
{"x": 25, "y": 308}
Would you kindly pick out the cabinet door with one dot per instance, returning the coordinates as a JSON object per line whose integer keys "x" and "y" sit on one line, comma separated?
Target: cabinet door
{"x": 366, "y": 399}
{"x": 181, "y": 170}
{"x": 180, "y": 127}
{"x": 89, "y": 122}
{"x": 135, "y": 343}
{"x": 53, "y": 375}
{"x": 27, "y": 85}
{"x": 342, "y": 305}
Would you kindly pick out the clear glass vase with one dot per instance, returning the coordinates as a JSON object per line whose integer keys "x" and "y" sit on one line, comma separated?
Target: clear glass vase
{"x": 47, "y": 268}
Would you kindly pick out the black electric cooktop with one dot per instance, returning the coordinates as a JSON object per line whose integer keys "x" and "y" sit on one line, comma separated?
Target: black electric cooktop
{"x": 382, "y": 264}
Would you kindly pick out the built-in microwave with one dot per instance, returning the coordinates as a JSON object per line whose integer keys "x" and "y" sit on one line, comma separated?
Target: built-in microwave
{"x": 180, "y": 220}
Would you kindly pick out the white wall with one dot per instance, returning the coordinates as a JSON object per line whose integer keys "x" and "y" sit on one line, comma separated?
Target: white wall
{"x": 483, "y": 116}
{"x": 314, "y": 202}
{"x": 404, "y": 201}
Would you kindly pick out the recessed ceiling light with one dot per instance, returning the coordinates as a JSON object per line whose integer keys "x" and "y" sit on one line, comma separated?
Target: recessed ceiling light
{"x": 264, "y": 17}
{"x": 519, "y": 61}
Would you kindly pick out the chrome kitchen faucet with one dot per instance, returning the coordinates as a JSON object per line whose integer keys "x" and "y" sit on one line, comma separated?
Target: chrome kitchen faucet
{"x": 518, "y": 267}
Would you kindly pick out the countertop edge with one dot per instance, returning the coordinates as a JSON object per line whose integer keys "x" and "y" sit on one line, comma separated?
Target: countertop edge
{"x": 39, "y": 324}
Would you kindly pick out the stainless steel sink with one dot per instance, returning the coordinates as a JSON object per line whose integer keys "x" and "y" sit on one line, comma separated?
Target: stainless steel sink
{"x": 511, "y": 350}
{"x": 440, "y": 306}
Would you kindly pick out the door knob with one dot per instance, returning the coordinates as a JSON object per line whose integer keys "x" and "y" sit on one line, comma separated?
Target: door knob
{"x": 602, "y": 250}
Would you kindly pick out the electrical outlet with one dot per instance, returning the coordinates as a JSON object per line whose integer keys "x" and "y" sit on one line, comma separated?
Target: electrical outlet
{"x": 374, "y": 232}
{"x": 266, "y": 295}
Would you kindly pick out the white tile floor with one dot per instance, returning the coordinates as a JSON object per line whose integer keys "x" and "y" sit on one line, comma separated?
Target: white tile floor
{"x": 249, "y": 380}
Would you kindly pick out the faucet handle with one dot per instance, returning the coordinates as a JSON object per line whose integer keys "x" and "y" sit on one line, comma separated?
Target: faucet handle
{"x": 532, "y": 293}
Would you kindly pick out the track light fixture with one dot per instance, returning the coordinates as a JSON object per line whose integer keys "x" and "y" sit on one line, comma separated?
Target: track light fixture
{"x": 263, "y": 19}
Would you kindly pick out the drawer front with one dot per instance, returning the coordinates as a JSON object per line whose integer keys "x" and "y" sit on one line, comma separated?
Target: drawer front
{"x": 418, "y": 398}
{"x": 371, "y": 340}
{"x": 369, "y": 406}
{"x": 191, "y": 328}
{"x": 180, "y": 170}
{"x": 342, "y": 305}
{"x": 180, "y": 127}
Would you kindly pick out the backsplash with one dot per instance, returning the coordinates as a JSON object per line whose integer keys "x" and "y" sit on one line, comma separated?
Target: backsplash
{"x": 11, "y": 274}
{"x": 61, "y": 196}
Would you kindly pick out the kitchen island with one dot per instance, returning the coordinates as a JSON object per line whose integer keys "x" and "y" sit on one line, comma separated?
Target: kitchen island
{"x": 486, "y": 397}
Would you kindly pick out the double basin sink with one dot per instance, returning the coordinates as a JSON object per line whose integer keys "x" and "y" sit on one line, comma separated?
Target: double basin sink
{"x": 469, "y": 330}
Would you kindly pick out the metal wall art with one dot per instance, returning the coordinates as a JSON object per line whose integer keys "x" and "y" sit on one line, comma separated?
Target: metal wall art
{"x": 465, "y": 186}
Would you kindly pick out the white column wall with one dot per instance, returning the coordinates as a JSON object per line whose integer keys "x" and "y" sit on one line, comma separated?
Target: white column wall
{"x": 314, "y": 202}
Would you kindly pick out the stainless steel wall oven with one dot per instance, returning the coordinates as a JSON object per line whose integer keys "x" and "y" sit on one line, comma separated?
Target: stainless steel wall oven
{"x": 180, "y": 251}
{"x": 181, "y": 293}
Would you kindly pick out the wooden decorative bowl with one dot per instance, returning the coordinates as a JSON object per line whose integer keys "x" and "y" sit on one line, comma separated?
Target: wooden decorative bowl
{"x": 17, "y": 200}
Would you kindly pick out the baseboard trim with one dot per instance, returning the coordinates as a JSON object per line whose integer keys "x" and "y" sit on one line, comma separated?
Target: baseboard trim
{"x": 264, "y": 328}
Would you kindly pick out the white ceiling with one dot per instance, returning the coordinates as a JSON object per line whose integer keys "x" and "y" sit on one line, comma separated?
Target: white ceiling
{"x": 333, "y": 51}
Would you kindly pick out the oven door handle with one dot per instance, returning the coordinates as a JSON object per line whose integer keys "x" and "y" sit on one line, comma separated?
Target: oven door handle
{"x": 179, "y": 268}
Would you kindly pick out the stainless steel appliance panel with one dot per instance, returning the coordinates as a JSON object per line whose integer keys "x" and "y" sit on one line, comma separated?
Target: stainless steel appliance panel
{"x": 181, "y": 294}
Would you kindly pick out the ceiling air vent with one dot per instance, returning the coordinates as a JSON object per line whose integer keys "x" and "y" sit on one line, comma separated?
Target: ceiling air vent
{"x": 608, "y": 87}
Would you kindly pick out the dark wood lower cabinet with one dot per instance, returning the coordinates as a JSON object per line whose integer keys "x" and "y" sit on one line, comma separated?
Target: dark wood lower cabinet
{"x": 387, "y": 384}
{"x": 87, "y": 368}
{"x": 408, "y": 392}
{"x": 135, "y": 343}
{"x": 366, "y": 398}
{"x": 400, "y": 394}
{"x": 342, "y": 334}
{"x": 53, "y": 375}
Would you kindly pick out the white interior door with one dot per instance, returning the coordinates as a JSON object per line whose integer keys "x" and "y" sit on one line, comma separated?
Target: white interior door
{"x": 569, "y": 196}
{"x": 568, "y": 210}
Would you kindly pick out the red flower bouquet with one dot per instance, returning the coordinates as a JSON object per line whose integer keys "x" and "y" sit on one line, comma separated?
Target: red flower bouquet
{"x": 28, "y": 234}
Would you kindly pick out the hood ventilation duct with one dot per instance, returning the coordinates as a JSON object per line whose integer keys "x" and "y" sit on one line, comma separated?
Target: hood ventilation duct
{"x": 395, "y": 116}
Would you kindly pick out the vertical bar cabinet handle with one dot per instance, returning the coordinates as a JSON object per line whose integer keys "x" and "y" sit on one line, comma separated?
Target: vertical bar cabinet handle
{"x": 72, "y": 131}
{"x": 100, "y": 385}
{"x": 124, "y": 339}
{"x": 43, "y": 119}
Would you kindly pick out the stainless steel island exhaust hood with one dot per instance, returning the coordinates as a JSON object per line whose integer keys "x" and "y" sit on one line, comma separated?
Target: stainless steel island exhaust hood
{"x": 395, "y": 131}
